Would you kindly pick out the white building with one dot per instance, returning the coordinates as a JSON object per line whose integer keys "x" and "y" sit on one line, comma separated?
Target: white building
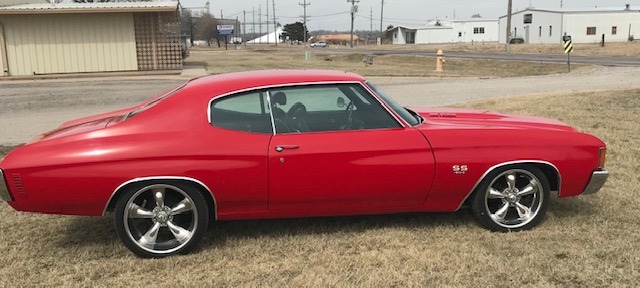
{"x": 585, "y": 26}
{"x": 270, "y": 38}
{"x": 448, "y": 31}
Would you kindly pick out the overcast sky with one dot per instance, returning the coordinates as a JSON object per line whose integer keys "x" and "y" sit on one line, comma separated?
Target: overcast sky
{"x": 334, "y": 14}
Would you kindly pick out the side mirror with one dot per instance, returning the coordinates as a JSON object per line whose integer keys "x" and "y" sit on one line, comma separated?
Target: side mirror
{"x": 341, "y": 102}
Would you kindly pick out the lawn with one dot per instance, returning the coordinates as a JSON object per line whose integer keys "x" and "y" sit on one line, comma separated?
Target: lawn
{"x": 584, "y": 241}
{"x": 263, "y": 57}
{"x": 582, "y": 49}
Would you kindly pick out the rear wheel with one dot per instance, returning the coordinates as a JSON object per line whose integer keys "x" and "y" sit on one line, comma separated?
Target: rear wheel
{"x": 161, "y": 219}
{"x": 512, "y": 199}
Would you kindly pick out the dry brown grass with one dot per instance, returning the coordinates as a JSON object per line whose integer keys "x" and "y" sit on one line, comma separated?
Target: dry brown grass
{"x": 585, "y": 241}
{"x": 220, "y": 61}
{"x": 610, "y": 49}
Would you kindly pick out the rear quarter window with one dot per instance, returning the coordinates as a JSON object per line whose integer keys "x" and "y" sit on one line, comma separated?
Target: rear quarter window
{"x": 245, "y": 112}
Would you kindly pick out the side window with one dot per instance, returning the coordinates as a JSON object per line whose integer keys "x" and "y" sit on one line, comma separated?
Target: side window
{"x": 247, "y": 112}
{"x": 318, "y": 108}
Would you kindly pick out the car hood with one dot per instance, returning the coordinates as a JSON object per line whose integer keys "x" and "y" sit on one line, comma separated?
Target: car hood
{"x": 486, "y": 119}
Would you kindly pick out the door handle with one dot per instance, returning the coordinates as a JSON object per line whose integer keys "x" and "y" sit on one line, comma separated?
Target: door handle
{"x": 281, "y": 148}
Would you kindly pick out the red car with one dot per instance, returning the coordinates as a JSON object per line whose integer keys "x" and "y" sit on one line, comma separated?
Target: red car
{"x": 280, "y": 144}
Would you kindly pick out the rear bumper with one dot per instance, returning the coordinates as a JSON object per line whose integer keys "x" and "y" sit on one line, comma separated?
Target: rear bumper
{"x": 598, "y": 178}
{"x": 4, "y": 190}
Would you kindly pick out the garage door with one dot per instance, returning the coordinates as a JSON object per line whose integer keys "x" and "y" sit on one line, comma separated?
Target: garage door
{"x": 70, "y": 43}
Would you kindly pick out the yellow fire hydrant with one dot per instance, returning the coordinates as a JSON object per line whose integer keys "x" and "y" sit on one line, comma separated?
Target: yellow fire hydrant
{"x": 440, "y": 61}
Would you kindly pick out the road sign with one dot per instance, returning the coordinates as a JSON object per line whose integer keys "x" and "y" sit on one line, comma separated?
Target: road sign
{"x": 225, "y": 29}
{"x": 568, "y": 46}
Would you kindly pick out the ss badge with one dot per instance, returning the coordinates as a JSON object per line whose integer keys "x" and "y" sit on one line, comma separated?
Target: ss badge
{"x": 460, "y": 169}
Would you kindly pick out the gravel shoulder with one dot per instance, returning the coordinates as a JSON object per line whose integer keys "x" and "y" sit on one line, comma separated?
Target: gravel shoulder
{"x": 28, "y": 108}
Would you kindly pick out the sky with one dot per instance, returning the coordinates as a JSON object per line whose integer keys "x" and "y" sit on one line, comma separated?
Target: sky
{"x": 334, "y": 14}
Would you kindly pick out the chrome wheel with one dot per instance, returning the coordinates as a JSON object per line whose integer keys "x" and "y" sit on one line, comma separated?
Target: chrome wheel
{"x": 160, "y": 220}
{"x": 514, "y": 199}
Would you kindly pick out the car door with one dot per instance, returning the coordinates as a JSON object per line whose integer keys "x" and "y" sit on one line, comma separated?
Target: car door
{"x": 366, "y": 160}
{"x": 241, "y": 132}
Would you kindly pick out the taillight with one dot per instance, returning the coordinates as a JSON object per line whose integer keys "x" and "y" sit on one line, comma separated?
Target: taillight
{"x": 602, "y": 158}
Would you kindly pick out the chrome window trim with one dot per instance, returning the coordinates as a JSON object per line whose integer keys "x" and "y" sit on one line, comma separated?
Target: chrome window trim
{"x": 400, "y": 121}
{"x": 4, "y": 189}
{"x": 386, "y": 106}
{"x": 150, "y": 178}
{"x": 273, "y": 121}
{"x": 494, "y": 167}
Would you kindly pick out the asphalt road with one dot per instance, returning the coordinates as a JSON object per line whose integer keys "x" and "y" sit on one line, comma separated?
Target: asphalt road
{"x": 614, "y": 61}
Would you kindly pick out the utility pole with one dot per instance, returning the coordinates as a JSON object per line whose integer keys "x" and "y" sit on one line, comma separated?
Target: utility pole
{"x": 275, "y": 24}
{"x": 354, "y": 10}
{"x": 260, "y": 22}
{"x": 267, "y": 20}
{"x": 244, "y": 27}
{"x": 253, "y": 14}
{"x": 304, "y": 5}
{"x": 381, "y": 20}
{"x": 221, "y": 15}
{"x": 509, "y": 24}
{"x": 371, "y": 17}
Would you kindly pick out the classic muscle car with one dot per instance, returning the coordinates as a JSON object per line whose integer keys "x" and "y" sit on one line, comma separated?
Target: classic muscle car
{"x": 278, "y": 144}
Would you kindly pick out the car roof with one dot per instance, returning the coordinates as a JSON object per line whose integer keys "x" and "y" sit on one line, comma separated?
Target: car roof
{"x": 237, "y": 81}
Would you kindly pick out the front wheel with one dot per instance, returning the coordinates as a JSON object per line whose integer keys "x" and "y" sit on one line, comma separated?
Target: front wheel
{"x": 512, "y": 199}
{"x": 161, "y": 219}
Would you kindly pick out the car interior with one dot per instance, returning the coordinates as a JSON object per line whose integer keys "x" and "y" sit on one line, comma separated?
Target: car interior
{"x": 336, "y": 108}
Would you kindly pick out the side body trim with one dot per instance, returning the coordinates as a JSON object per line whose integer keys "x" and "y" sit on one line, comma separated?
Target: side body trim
{"x": 491, "y": 169}
{"x": 188, "y": 179}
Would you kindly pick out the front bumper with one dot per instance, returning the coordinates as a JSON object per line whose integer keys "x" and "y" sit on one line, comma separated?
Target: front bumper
{"x": 4, "y": 190}
{"x": 598, "y": 178}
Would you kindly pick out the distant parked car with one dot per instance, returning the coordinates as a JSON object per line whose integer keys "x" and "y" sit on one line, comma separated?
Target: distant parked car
{"x": 517, "y": 40}
{"x": 321, "y": 44}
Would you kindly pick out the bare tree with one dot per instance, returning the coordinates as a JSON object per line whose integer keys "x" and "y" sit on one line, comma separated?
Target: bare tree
{"x": 206, "y": 28}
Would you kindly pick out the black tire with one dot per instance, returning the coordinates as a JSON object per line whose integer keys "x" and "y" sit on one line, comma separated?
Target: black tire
{"x": 511, "y": 199}
{"x": 156, "y": 225}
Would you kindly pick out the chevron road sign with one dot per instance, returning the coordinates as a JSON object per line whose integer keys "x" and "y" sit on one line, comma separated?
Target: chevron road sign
{"x": 568, "y": 46}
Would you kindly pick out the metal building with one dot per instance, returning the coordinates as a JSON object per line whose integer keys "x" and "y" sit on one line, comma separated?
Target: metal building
{"x": 448, "y": 31}
{"x": 547, "y": 26}
{"x": 59, "y": 38}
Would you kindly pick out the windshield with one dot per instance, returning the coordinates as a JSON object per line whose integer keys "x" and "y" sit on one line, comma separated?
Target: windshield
{"x": 155, "y": 101}
{"x": 411, "y": 118}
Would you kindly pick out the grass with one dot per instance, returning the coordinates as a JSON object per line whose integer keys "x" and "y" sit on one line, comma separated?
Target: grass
{"x": 583, "y": 49}
{"x": 220, "y": 61}
{"x": 584, "y": 241}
